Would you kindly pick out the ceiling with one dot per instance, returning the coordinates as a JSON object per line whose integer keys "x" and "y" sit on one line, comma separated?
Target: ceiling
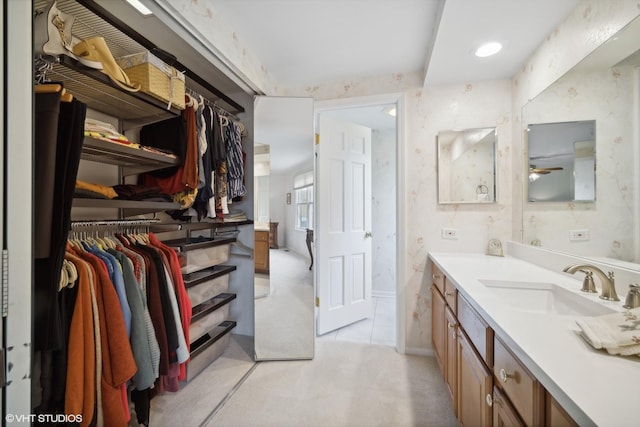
{"x": 304, "y": 42}
{"x": 311, "y": 42}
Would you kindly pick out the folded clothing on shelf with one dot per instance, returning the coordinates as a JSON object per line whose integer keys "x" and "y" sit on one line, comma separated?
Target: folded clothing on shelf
{"x": 140, "y": 192}
{"x": 99, "y": 191}
{"x": 618, "y": 333}
{"x": 93, "y": 127}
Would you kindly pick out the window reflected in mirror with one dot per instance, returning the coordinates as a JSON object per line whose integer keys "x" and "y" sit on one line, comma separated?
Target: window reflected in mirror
{"x": 466, "y": 166}
{"x": 562, "y": 161}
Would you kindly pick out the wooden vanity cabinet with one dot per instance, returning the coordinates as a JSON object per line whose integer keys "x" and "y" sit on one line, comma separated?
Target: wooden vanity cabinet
{"x": 444, "y": 331}
{"x": 438, "y": 327}
{"x": 487, "y": 383}
{"x": 519, "y": 385}
{"x": 555, "y": 415}
{"x": 503, "y": 413}
{"x": 475, "y": 384}
{"x": 451, "y": 362}
{"x": 261, "y": 248}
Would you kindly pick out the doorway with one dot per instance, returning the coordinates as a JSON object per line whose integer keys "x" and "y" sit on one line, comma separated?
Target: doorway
{"x": 376, "y": 112}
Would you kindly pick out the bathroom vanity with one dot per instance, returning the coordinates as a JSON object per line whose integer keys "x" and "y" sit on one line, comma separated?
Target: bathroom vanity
{"x": 505, "y": 337}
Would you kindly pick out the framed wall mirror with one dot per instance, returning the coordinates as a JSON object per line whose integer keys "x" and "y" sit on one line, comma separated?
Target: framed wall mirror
{"x": 283, "y": 287}
{"x": 601, "y": 93}
{"x": 562, "y": 161}
{"x": 467, "y": 165}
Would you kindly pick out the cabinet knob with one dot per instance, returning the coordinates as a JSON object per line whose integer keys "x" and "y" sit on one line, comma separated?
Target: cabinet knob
{"x": 489, "y": 400}
{"x": 504, "y": 376}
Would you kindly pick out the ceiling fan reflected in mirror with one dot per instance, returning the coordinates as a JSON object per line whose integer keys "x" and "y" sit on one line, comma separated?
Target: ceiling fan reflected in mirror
{"x": 535, "y": 173}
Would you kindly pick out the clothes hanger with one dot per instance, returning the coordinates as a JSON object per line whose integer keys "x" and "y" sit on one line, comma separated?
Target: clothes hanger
{"x": 65, "y": 96}
{"x": 72, "y": 273}
{"x": 64, "y": 278}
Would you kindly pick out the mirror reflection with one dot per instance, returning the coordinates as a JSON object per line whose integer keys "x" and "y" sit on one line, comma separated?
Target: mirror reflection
{"x": 466, "y": 165}
{"x": 283, "y": 206}
{"x": 602, "y": 88}
{"x": 562, "y": 161}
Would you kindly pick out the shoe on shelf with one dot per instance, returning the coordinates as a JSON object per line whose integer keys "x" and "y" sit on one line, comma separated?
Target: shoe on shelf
{"x": 53, "y": 37}
{"x": 96, "y": 49}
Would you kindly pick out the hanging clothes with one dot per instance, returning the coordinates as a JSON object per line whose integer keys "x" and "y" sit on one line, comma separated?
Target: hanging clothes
{"x": 235, "y": 160}
{"x": 183, "y": 178}
{"x": 69, "y": 135}
{"x": 116, "y": 276}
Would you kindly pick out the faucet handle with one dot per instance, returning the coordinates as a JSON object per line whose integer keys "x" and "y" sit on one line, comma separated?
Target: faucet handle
{"x": 588, "y": 285}
{"x": 633, "y": 297}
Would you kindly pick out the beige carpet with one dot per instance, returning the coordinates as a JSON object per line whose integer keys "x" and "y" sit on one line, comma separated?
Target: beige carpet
{"x": 347, "y": 384}
{"x": 284, "y": 319}
{"x": 193, "y": 403}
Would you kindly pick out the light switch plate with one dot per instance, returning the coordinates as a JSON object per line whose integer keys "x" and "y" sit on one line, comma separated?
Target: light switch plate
{"x": 449, "y": 233}
{"x": 578, "y": 235}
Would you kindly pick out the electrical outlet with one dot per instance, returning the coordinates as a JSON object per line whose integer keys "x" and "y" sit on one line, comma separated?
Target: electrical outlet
{"x": 578, "y": 235}
{"x": 449, "y": 233}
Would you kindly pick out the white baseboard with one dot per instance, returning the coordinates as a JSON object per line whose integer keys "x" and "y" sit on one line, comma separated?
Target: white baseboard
{"x": 419, "y": 351}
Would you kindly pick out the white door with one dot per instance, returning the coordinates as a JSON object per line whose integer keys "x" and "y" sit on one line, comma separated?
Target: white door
{"x": 343, "y": 238}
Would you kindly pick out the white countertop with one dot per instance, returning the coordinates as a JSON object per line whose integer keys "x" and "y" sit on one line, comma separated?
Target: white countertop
{"x": 595, "y": 388}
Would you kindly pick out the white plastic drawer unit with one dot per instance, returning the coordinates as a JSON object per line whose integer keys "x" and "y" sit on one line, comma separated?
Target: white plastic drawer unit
{"x": 198, "y": 253}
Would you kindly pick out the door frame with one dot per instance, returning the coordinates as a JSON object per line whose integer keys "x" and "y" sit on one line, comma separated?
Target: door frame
{"x": 18, "y": 204}
{"x": 399, "y": 100}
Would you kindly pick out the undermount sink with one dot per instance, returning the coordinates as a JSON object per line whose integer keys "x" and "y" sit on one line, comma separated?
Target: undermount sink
{"x": 541, "y": 297}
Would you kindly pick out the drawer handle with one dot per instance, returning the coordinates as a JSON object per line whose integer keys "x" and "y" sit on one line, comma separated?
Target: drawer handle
{"x": 504, "y": 376}
{"x": 453, "y": 332}
{"x": 435, "y": 276}
{"x": 489, "y": 400}
{"x": 449, "y": 294}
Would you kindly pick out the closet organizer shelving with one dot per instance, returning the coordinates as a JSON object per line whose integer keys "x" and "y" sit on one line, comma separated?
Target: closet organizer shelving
{"x": 133, "y": 110}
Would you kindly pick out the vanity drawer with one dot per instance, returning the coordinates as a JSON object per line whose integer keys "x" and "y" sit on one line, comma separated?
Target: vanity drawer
{"x": 438, "y": 277}
{"x": 451, "y": 295}
{"x": 478, "y": 331}
{"x": 520, "y": 386}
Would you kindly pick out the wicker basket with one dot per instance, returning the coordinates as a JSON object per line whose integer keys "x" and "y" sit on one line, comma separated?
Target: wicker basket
{"x": 155, "y": 77}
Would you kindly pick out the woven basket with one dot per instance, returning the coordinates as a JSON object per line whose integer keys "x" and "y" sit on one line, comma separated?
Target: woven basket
{"x": 155, "y": 77}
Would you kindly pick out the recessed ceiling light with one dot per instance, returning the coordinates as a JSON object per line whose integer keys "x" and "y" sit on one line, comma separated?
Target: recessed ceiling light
{"x": 488, "y": 49}
{"x": 137, "y": 5}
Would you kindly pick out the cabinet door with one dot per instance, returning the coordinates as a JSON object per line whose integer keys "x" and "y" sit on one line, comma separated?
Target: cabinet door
{"x": 451, "y": 370}
{"x": 261, "y": 256}
{"x": 474, "y": 386}
{"x": 555, "y": 415}
{"x": 503, "y": 413}
{"x": 438, "y": 327}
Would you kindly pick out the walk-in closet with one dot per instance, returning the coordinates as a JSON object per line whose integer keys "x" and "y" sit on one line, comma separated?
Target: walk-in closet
{"x": 143, "y": 229}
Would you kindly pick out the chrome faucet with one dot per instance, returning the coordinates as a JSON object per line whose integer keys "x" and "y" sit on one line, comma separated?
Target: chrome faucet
{"x": 606, "y": 280}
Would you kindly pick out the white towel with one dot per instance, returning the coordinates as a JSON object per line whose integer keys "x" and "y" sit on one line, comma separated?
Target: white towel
{"x": 619, "y": 333}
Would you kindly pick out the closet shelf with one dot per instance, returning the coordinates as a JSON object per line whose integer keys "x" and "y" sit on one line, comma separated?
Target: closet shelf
{"x": 131, "y": 160}
{"x": 208, "y": 339}
{"x": 206, "y": 307}
{"x": 95, "y": 89}
{"x": 197, "y": 277}
{"x": 129, "y": 207}
{"x": 194, "y": 226}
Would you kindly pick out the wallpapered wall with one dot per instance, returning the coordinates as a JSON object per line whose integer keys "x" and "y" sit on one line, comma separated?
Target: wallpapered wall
{"x": 428, "y": 110}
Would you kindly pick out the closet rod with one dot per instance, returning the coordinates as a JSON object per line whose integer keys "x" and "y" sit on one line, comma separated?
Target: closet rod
{"x": 113, "y": 222}
{"x": 212, "y": 104}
